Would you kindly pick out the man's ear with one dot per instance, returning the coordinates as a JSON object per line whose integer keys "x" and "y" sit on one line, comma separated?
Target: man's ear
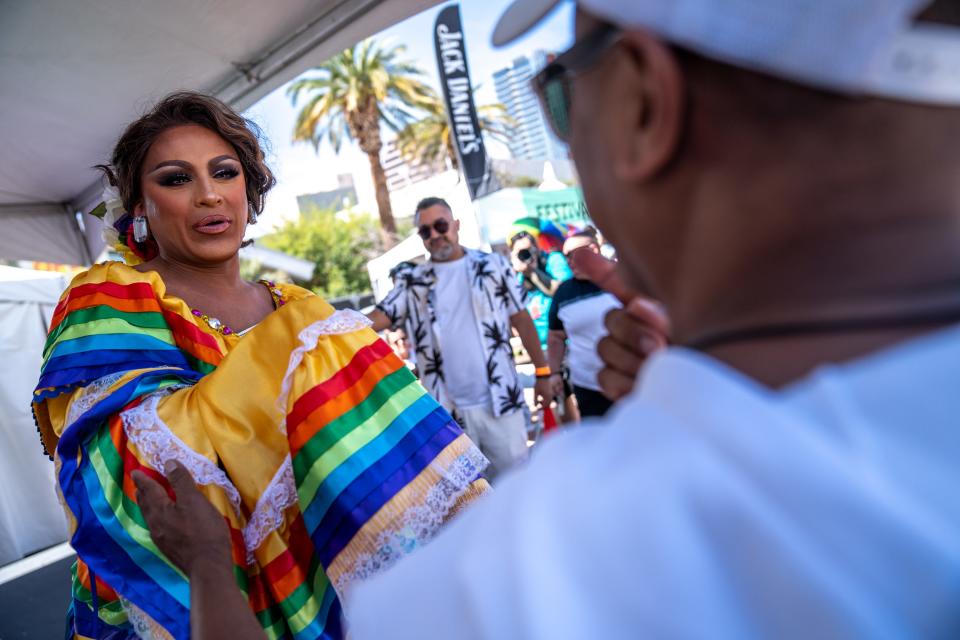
{"x": 456, "y": 224}
{"x": 654, "y": 104}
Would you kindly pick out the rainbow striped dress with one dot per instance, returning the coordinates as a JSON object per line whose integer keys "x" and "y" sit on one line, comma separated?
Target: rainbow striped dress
{"x": 325, "y": 456}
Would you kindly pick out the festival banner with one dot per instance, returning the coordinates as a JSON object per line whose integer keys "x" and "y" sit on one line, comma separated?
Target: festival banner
{"x": 458, "y": 96}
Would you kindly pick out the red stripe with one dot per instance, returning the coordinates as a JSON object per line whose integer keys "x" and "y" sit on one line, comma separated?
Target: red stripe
{"x": 137, "y": 290}
{"x": 299, "y": 552}
{"x": 337, "y": 384}
{"x": 186, "y": 334}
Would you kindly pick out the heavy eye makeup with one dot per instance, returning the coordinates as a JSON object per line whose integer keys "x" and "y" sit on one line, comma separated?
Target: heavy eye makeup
{"x": 222, "y": 171}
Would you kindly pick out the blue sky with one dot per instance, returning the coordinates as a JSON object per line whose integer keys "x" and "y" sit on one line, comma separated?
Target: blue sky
{"x": 300, "y": 170}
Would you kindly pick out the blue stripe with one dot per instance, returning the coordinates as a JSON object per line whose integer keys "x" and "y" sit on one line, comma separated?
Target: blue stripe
{"x": 340, "y": 478}
{"x": 159, "y": 572}
{"x": 93, "y": 419}
{"x": 124, "y": 357}
{"x": 110, "y": 342}
{"x": 320, "y": 625}
{"x": 342, "y": 521}
{"x": 109, "y": 561}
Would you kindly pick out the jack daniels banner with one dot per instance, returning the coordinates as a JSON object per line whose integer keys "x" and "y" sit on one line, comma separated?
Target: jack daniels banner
{"x": 458, "y": 96}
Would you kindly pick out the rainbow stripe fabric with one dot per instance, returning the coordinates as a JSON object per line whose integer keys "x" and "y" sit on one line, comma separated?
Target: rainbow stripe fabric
{"x": 358, "y": 467}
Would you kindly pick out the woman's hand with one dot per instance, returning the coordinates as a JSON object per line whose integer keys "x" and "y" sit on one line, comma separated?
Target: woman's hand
{"x": 635, "y": 331}
{"x": 189, "y": 531}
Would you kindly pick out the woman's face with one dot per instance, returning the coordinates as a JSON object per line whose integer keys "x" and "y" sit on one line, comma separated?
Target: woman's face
{"x": 194, "y": 196}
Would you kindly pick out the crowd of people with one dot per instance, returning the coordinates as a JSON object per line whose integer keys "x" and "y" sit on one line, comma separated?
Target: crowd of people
{"x": 452, "y": 319}
{"x": 240, "y": 461}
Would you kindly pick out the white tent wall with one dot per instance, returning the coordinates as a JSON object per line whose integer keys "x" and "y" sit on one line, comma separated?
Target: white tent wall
{"x": 43, "y": 232}
{"x": 73, "y": 73}
{"x": 30, "y": 515}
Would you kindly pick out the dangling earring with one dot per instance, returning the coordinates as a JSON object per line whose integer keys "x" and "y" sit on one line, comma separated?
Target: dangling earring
{"x": 140, "y": 231}
{"x": 251, "y": 215}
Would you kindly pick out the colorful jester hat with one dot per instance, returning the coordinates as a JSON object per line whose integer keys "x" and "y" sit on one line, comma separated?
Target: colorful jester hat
{"x": 549, "y": 235}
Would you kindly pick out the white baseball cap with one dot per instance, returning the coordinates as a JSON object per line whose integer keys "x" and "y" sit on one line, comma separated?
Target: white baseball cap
{"x": 860, "y": 47}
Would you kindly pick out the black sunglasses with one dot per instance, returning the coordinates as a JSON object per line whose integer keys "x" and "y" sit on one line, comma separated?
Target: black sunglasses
{"x": 552, "y": 84}
{"x": 441, "y": 226}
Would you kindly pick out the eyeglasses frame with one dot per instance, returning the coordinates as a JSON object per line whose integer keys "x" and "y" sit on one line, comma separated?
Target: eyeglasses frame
{"x": 580, "y": 57}
{"x": 433, "y": 227}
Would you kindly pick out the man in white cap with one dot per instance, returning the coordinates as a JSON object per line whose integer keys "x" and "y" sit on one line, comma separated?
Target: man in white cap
{"x": 782, "y": 174}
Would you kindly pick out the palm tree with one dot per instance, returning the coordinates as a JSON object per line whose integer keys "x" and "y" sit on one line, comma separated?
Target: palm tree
{"x": 349, "y": 97}
{"x": 428, "y": 140}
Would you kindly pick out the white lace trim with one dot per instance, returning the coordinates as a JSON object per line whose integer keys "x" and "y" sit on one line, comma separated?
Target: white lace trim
{"x": 145, "y": 627}
{"x": 339, "y": 322}
{"x": 420, "y": 523}
{"x": 159, "y": 444}
{"x": 91, "y": 395}
{"x": 267, "y": 516}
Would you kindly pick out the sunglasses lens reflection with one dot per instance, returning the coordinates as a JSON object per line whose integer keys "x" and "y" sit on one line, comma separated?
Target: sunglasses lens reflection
{"x": 440, "y": 226}
{"x": 556, "y": 103}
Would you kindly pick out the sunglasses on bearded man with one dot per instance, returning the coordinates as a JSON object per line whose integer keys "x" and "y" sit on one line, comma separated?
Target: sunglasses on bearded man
{"x": 552, "y": 84}
{"x": 441, "y": 226}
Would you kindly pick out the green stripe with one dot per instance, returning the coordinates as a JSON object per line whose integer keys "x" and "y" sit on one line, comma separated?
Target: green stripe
{"x": 275, "y": 631}
{"x": 269, "y": 616}
{"x": 146, "y": 319}
{"x": 110, "y": 611}
{"x": 113, "y": 326}
{"x": 334, "y": 431}
{"x": 103, "y": 458}
{"x": 392, "y": 405}
{"x": 197, "y": 364}
{"x": 302, "y": 606}
{"x": 242, "y": 580}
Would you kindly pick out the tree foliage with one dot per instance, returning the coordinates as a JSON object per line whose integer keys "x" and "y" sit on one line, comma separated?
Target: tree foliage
{"x": 339, "y": 248}
{"x": 428, "y": 140}
{"x": 348, "y": 97}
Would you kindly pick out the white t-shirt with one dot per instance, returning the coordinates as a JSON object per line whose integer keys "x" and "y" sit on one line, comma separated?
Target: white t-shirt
{"x": 578, "y": 309}
{"x": 706, "y": 505}
{"x": 464, "y": 369}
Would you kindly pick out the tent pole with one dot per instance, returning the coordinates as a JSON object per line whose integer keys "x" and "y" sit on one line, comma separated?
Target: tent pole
{"x": 80, "y": 235}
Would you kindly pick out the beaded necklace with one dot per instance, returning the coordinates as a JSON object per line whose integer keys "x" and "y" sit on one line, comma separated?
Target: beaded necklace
{"x": 221, "y": 328}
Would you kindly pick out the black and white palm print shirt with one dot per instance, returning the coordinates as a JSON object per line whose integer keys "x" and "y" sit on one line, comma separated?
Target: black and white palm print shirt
{"x": 496, "y": 295}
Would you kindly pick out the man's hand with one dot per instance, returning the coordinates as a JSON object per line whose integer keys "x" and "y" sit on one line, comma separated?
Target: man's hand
{"x": 635, "y": 331}
{"x": 543, "y": 391}
{"x": 556, "y": 385}
{"x": 380, "y": 320}
{"x": 189, "y": 531}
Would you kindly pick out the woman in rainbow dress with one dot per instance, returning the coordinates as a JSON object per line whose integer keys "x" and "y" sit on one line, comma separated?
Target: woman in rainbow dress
{"x": 325, "y": 456}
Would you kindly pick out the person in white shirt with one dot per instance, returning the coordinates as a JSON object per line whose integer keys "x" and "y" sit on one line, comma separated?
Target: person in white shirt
{"x": 783, "y": 175}
{"x": 459, "y": 308}
{"x": 576, "y": 321}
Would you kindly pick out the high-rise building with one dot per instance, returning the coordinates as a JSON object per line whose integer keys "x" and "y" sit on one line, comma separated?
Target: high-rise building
{"x": 343, "y": 197}
{"x": 401, "y": 173}
{"x": 533, "y": 139}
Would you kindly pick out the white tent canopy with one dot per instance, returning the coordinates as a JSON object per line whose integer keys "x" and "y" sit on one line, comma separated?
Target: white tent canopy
{"x": 74, "y": 72}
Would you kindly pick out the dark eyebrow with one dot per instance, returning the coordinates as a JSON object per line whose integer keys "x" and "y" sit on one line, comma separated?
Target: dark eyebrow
{"x": 172, "y": 163}
{"x": 220, "y": 159}
{"x": 186, "y": 165}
